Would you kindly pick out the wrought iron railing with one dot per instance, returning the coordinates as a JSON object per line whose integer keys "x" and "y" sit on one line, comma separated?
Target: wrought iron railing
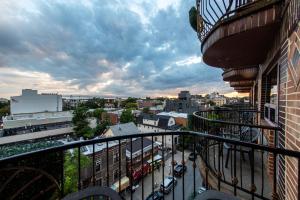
{"x": 231, "y": 168}
{"x": 46, "y": 173}
{"x": 214, "y": 12}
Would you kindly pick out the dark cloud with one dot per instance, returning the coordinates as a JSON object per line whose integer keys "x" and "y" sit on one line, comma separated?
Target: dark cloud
{"x": 91, "y": 45}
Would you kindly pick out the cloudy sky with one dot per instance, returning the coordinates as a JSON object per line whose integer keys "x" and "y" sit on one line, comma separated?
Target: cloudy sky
{"x": 102, "y": 47}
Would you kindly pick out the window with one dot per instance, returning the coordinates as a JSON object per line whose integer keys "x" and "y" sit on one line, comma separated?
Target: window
{"x": 98, "y": 165}
{"x": 116, "y": 174}
{"x": 116, "y": 157}
{"x": 99, "y": 182}
{"x": 271, "y": 95}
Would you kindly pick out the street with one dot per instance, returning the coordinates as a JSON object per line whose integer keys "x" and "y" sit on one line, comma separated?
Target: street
{"x": 178, "y": 189}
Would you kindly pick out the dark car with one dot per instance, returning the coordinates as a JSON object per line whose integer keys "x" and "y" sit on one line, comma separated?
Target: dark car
{"x": 156, "y": 195}
{"x": 179, "y": 170}
{"x": 192, "y": 156}
{"x": 168, "y": 184}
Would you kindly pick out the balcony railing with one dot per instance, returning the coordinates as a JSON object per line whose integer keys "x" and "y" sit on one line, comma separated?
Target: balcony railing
{"x": 226, "y": 162}
{"x": 56, "y": 171}
{"x": 213, "y": 12}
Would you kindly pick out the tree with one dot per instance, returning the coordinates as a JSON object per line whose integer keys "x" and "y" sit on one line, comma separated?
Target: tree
{"x": 97, "y": 113}
{"x": 146, "y": 110}
{"x": 131, "y": 105}
{"x": 81, "y": 124}
{"x": 129, "y": 100}
{"x": 193, "y": 18}
{"x": 4, "y": 109}
{"x": 126, "y": 116}
{"x": 71, "y": 169}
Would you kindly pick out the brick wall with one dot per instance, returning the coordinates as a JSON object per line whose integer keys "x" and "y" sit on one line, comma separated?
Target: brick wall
{"x": 281, "y": 54}
{"x": 292, "y": 113}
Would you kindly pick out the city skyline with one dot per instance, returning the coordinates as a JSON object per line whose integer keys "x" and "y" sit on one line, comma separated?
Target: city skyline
{"x": 131, "y": 48}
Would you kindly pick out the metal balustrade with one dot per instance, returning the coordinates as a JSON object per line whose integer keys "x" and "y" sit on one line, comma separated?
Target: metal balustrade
{"x": 41, "y": 174}
{"x": 214, "y": 12}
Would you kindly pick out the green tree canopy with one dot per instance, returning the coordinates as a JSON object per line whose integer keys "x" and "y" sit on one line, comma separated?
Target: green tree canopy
{"x": 71, "y": 170}
{"x": 126, "y": 116}
{"x": 128, "y": 100}
{"x": 131, "y": 105}
{"x": 193, "y": 18}
{"x": 97, "y": 113}
{"x": 81, "y": 124}
{"x": 146, "y": 110}
{"x": 4, "y": 109}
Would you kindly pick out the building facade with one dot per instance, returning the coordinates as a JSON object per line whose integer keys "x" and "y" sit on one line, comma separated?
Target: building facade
{"x": 159, "y": 123}
{"x": 184, "y": 104}
{"x": 32, "y": 102}
{"x": 106, "y": 164}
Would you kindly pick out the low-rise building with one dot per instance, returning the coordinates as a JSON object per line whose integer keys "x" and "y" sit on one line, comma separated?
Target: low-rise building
{"x": 106, "y": 165}
{"x": 32, "y": 102}
{"x": 36, "y": 122}
{"x": 219, "y": 101}
{"x": 140, "y": 164}
{"x": 181, "y": 119}
{"x": 122, "y": 129}
{"x": 158, "y": 123}
{"x": 184, "y": 103}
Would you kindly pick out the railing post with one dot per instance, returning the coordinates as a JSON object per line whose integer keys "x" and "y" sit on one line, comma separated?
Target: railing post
{"x": 62, "y": 174}
{"x": 79, "y": 173}
{"x": 274, "y": 194}
{"x": 93, "y": 164}
{"x": 107, "y": 165}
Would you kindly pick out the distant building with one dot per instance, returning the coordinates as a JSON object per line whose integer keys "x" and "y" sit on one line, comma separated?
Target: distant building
{"x": 122, "y": 129}
{"x": 32, "y": 102}
{"x": 180, "y": 118}
{"x": 100, "y": 165}
{"x": 72, "y": 101}
{"x": 3, "y": 100}
{"x": 37, "y": 122}
{"x": 184, "y": 104}
{"x": 220, "y": 101}
{"x": 145, "y": 103}
{"x": 134, "y": 152}
{"x": 156, "y": 109}
{"x": 158, "y": 123}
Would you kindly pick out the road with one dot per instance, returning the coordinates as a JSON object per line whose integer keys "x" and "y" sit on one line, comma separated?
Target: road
{"x": 157, "y": 177}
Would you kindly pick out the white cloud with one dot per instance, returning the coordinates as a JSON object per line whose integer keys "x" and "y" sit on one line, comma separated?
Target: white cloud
{"x": 189, "y": 61}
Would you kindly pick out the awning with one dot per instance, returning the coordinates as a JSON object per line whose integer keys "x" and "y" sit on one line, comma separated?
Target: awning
{"x": 124, "y": 184}
{"x": 155, "y": 158}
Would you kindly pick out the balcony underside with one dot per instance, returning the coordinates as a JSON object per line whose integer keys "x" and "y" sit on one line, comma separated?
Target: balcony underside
{"x": 241, "y": 83}
{"x": 243, "y": 91}
{"x": 245, "y": 74}
{"x": 241, "y": 42}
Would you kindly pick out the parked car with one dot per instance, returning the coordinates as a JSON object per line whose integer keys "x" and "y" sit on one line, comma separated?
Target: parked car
{"x": 168, "y": 184}
{"x": 192, "y": 156}
{"x": 201, "y": 190}
{"x": 156, "y": 195}
{"x": 179, "y": 170}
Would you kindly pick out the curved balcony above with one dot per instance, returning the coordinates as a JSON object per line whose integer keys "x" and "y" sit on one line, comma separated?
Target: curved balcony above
{"x": 237, "y": 33}
{"x": 241, "y": 83}
{"x": 245, "y": 74}
{"x": 242, "y": 89}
